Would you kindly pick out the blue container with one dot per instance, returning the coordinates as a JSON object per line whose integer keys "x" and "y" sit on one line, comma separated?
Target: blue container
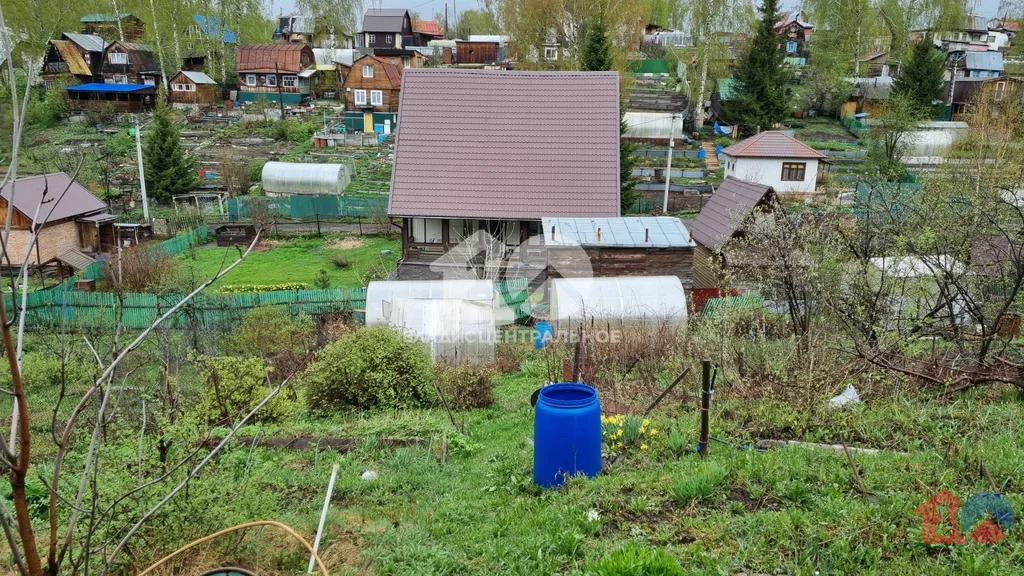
{"x": 543, "y": 333}
{"x": 702, "y": 153}
{"x": 566, "y": 434}
{"x": 718, "y": 149}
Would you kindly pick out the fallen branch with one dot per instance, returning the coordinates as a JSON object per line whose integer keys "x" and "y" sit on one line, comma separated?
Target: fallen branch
{"x": 666, "y": 391}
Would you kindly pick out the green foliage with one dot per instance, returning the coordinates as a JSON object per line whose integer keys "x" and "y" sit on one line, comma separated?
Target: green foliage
{"x": 627, "y": 161}
{"x": 233, "y": 386}
{"x": 472, "y": 22}
{"x": 597, "y": 50}
{"x": 169, "y": 170}
{"x": 466, "y": 386}
{"x": 636, "y": 559}
{"x": 292, "y": 131}
{"x": 48, "y": 111}
{"x": 761, "y": 78}
{"x": 256, "y": 170}
{"x": 268, "y": 330}
{"x": 700, "y": 484}
{"x": 374, "y": 367}
{"x": 322, "y": 280}
{"x": 921, "y": 78}
{"x": 825, "y": 86}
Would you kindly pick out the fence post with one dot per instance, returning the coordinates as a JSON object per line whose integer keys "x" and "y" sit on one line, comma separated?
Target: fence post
{"x": 318, "y": 235}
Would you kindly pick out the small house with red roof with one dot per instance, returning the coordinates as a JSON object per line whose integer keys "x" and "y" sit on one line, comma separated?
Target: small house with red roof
{"x": 773, "y": 158}
{"x": 372, "y": 88}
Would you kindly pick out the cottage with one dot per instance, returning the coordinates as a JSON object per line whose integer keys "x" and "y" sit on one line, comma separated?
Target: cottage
{"x": 386, "y": 28}
{"x": 205, "y": 35}
{"x": 774, "y": 159}
{"x": 74, "y": 59}
{"x": 111, "y": 27}
{"x": 192, "y": 89}
{"x": 872, "y": 65}
{"x": 70, "y": 222}
{"x": 967, "y": 92}
{"x": 482, "y": 158}
{"x": 625, "y": 246}
{"x": 130, "y": 63}
{"x": 719, "y": 221}
{"x": 402, "y": 58}
{"x": 794, "y": 33}
{"x": 273, "y": 71}
{"x": 129, "y": 98}
{"x": 372, "y": 88}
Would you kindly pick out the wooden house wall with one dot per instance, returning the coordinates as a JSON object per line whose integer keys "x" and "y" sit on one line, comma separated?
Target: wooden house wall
{"x": 354, "y": 81}
{"x": 301, "y": 86}
{"x": 203, "y": 94}
{"x": 609, "y": 262}
{"x": 19, "y": 220}
{"x": 705, "y": 270}
{"x": 135, "y": 65}
{"x": 476, "y": 52}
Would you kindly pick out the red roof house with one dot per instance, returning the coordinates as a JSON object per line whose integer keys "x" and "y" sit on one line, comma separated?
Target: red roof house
{"x": 775, "y": 159}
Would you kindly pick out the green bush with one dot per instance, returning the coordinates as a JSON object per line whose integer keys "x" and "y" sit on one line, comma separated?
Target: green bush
{"x": 233, "y": 386}
{"x": 724, "y": 141}
{"x": 635, "y": 559}
{"x": 256, "y": 170}
{"x": 467, "y": 386}
{"x": 374, "y": 367}
{"x": 48, "y": 111}
{"x": 322, "y": 280}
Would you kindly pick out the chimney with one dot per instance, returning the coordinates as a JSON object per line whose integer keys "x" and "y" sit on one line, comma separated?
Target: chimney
{"x": 647, "y": 234}
{"x": 598, "y": 234}
{"x": 552, "y": 231}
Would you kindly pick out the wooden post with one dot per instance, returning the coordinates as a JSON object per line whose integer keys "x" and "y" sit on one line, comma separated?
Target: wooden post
{"x": 280, "y": 99}
{"x": 318, "y": 235}
{"x": 705, "y": 407}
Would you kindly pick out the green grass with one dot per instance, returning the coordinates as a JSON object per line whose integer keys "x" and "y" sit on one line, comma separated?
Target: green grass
{"x": 296, "y": 260}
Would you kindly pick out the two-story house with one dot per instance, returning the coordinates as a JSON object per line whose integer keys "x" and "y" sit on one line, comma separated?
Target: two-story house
{"x": 74, "y": 59}
{"x": 130, "y": 63}
{"x": 385, "y": 28}
{"x": 274, "y": 72}
{"x": 372, "y": 88}
{"x": 205, "y": 35}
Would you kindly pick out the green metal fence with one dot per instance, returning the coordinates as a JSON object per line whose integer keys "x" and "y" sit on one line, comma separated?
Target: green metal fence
{"x": 716, "y": 306}
{"x": 856, "y": 127}
{"x": 516, "y": 295}
{"x": 299, "y": 206}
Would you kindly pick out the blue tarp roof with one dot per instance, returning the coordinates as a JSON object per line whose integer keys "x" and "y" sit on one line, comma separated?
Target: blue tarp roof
{"x": 101, "y": 87}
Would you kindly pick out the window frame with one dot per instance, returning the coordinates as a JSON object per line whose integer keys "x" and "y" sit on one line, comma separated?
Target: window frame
{"x": 376, "y": 97}
{"x": 121, "y": 55}
{"x": 371, "y": 39}
{"x": 250, "y": 79}
{"x": 289, "y": 81}
{"x": 418, "y": 227}
{"x": 389, "y": 38}
{"x": 791, "y": 169}
{"x": 119, "y": 77}
{"x": 271, "y": 80}
{"x": 367, "y": 68}
{"x": 359, "y": 97}
{"x": 550, "y": 53}
{"x": 1000, "y": 90}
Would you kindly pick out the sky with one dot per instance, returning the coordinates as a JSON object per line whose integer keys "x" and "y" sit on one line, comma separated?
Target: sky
{"x": 427, "y": 8}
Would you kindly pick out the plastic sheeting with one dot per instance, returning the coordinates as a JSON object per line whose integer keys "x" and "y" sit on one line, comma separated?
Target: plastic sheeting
{"x": 455, "y": 330}
{"x": 657, "y": 125}
{"x": 295, "y": 178}
{"x": 381, "y": 295}
{"x": 628, "y": 298}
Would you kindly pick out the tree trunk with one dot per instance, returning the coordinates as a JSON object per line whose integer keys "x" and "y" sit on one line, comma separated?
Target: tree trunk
{"x": 698, "y": 110}
{"x": 174, "y": 31}
{"x": 120, "y": 29}
{"x": 159, "y": 49}
{"x": 223, "y": 64}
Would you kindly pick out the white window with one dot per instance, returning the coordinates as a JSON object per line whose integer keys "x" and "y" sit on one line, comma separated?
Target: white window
{"x": 1000, "y": 88}
{"x": 120, "y": 79}
{"x": 550, "y": 53}
{"x": 367, "y": 71}
{"x": 149, "y": 80}
{"x": 118, "y": 58}
{"x": 372, "y": 38}
{"x": 389, "y": 38}
{"x": 250, "y": 79}
{"x": 376, "y": 97}
{"x": 271, "y": 80}
{"x": 426, "y": 230}
{"x": 360, "y": 97}
{"x": 289, "y": 81}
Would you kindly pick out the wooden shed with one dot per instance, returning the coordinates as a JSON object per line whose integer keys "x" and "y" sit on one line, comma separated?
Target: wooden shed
{"x": 476, "y": 52}
{"x": 235, "y": 234}
{"x": 193, "y": 89}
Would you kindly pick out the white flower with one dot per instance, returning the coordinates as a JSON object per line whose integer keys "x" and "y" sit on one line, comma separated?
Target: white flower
{"x": 592, "y": 515}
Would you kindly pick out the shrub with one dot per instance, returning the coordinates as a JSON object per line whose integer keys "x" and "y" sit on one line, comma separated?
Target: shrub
{"x": 269, "y": 332}
{"x": 322, "y": 280}
{"x": 341, "y": 262}
{"x": 724, "y": 141}
{"x": 233, "y": 386}
{"x": 635, "y": 559}
{"x": 466, "y": 386}
{"x": 256, "y": 170}
{"x": 700, "y": 485}
{"x": 374, "y": 367}
{"x": 142, "y": 268}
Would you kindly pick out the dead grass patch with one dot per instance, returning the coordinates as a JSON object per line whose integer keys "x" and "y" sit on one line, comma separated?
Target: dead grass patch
{"x": 347, "y": 243}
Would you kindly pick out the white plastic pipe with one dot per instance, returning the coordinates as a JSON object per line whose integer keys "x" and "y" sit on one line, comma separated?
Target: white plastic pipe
{"x": 323, "y": 518}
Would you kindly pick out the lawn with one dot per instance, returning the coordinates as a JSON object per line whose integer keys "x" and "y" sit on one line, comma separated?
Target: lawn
{"x": 280, "y": 261}
{"x": 819, "y": 130}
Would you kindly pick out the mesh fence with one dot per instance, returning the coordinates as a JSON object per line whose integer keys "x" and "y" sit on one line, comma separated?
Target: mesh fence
{"x": 299, "y": 207}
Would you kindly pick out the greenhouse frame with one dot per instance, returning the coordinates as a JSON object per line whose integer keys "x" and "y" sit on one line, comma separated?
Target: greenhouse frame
{"x": 311, "y": 179}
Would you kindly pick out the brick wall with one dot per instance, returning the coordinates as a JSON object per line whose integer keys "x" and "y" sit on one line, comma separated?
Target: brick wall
{"x": 52, "y": 241}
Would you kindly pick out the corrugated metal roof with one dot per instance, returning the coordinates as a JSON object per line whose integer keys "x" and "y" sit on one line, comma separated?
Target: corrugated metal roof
{"x": 264, "y": 57}
{"x": 28, "y": 192}
{"x": 198, "y": 77}
{"x": 87, "y": 42}
{"x": 507, "y": 145}
{"x": 384, "y": 20}
{"x": 726, "y": 211}
{"x": 983, "y": 61}
{"x": 211, "y": 26}
{"x": 334, "y": 55}
{"x": 308, "y": 72}
{"x": 771, "y": 144}
{"x": 91, "y": 18}
{"x": 623, "y": 232}
{"x": 428, "y": 27}
{"x": 71, "y": 56}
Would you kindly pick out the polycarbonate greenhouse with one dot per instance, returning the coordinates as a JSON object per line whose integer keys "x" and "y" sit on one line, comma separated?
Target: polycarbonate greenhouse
{"x": 312, "y": 179}
{"x": 625, "y": 298}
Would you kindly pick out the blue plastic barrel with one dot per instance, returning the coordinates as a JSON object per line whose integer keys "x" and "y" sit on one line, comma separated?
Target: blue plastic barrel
{"x": 702, "y": 153}
{"x": 543, "y": 332}
{"x": 718, "y": 149}
{"x": 566, "y": 434}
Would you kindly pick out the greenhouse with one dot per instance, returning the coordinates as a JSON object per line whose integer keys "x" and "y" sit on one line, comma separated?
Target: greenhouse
{"x": 626, "y": 298}
{"x": 312, "y": 179}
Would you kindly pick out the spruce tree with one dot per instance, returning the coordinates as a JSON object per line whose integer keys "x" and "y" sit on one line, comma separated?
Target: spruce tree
{"x": 168, "y": 169}
{"x": 921, "y": 79}
{"x": 762, "y": 76}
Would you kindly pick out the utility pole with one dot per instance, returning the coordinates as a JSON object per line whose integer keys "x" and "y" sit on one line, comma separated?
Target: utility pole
{"x": 280, "y": 81}
{"x": 142, "y": 173}
{"x": 668, "y": 169}
{"x": 952, "y": 78}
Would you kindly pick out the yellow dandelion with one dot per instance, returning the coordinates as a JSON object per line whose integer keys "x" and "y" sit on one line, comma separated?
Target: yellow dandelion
{"x": 647, "y": 422}
{"x": 642, "y": 429}
{"x": 643, "y": 446}
{"x": 654, "y": 431}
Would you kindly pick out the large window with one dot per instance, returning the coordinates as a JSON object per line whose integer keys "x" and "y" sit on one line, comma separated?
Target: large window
{"x": 425, "y": 231}
{"x": 511, "y": 233}
{"x": 794, "y": 171}
{"x": 289, "y": 81}
{"x": 250, "y": 79}
{"x": 376, "y": 97}
{"x": 459, "y": 230}
{"x": 118, "y": 57}
{"x": 367, "y": 71}
{"x": 360, "y": 97}
{"x": 271, "y": 79}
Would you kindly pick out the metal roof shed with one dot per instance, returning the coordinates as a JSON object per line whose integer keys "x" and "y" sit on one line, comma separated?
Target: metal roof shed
{"x": 624, "y": 298}
{"x": 312, "y": 179}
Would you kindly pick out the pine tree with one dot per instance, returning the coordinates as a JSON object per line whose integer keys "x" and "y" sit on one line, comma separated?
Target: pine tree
{"x": 762, "y": 76}
{"x": 169, "y": 170}
{"x": 921, "y": 79}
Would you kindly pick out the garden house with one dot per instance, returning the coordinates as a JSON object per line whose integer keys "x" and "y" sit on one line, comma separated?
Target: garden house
{"x": 775, "y": 159}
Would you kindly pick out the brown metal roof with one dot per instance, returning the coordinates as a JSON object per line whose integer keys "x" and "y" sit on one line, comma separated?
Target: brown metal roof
{"x": 263, "y": 57}
{"x": 726, "y": 211}
{"x": 76, "y": 202}
{"x": 389, "y": 69}
{"x": 71, "y": 54}
{"x": 384, "y": 20}
{"x": 771, "y": 144}
{"x": 428, "y": 27}
{"x": 506, "y": 145}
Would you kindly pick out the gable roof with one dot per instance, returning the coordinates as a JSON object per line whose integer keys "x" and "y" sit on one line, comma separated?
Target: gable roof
{"x": 87, "y": 42}
{"x": 211, "y": 26}
{"x": 428, "y": 27}
{"x": 91, "y": 18}
{"x": 389, "y": 69}
{"x": 384, "y": 20}
{"x": 198, "y": 77}
{"x": 771, "y": 144}
{"x": 506, "y": 145}
{"x": 69, "y": 53}
{"x": 141, "y": 59}
{"x": 726, "y": 211}
{"x": 263, "y": 57}
{"x": 983, "y": 61}
{"x": 77, "y": 201}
